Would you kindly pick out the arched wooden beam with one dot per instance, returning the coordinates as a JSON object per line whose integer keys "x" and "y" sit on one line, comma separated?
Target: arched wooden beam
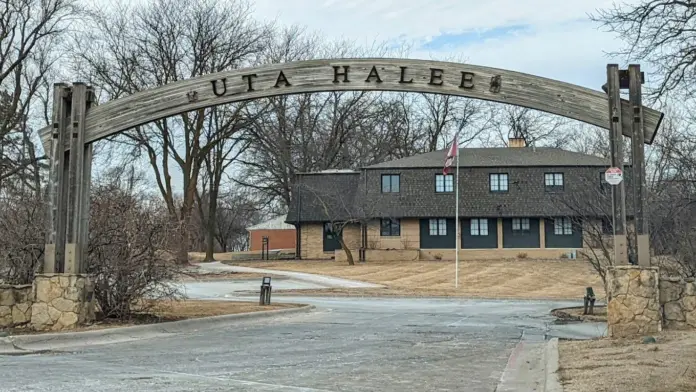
{"x": 379, "y": 74}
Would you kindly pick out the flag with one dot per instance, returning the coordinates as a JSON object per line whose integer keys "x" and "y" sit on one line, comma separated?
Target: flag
{"x": 451, "y": 154}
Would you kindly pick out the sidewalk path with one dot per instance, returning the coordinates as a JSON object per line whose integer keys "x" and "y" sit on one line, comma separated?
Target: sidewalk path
{"x": 326, "y": 281}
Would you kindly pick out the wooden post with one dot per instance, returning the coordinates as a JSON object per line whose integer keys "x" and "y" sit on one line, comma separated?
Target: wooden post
{"x": 74, "y": 179}
{"x": 641, "y": 230}
{"x": 54, "y": 249}
{"x": 86, "y": 201}
{"x": 69, "y": 179}
{"x": 617, "y": 160}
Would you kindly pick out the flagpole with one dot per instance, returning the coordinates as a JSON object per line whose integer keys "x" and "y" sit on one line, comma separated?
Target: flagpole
{"x": 456, "y": 219}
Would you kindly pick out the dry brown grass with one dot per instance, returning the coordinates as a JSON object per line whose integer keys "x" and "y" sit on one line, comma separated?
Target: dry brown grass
{"x": 164, "y": 311}
{"x": 628, "y": 365}
{"x": 200, "y": 256}
{"x": 576, "y": 313}
{"x": 552, "y": 279}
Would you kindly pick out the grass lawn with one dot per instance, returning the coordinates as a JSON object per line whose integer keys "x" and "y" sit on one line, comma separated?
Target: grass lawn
{"x": 628, "y": 365}
{"x": 552, "y": 279}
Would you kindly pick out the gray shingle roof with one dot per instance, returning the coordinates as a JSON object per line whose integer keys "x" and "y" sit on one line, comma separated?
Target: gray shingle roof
{"x": 326, "y": 196}
{"x": 498, "y": 157}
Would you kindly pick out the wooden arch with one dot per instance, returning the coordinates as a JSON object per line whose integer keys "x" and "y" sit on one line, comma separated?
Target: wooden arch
{"x": 379, "y": 74}
{"x": 78, "y": 122}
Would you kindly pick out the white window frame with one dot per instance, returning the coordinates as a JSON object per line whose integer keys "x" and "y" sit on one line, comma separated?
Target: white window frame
{"x": 562, "y": 226}
{"x": 437, "y": 227}
{"x": 498, "y": 182}
{"x": 554, "y": 180}
{"x": 479, "y": 227}
{"x": 520, "y": 224}
{"x": 444, "y": 183}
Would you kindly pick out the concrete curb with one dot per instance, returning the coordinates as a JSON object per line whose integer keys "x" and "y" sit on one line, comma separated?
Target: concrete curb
{"x": 552, "y": 384}
{"x": 26, "y": 344}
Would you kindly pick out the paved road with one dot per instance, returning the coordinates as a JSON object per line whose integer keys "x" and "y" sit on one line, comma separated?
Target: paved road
{"x": 346, "y": 345}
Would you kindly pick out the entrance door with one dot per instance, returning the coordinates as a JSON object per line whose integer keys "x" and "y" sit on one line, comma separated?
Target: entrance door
{"x": 330, "y": 238}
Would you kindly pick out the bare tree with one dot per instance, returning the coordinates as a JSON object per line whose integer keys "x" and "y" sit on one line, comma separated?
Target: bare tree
{"x": 132, "y": 49}
{"x": 237, "y": 211}
{"x": 130, "y": 238}
{"x": 537, "y": 128}
{"x": 234, "y": 120}
{"x": 335, "y": 201}
{"x": 663, "y": 32}
{"x": 590, "y": 211}
{"x": 30, "y": 34}
{"x": 22, "y": 230}
{"x": 672, "y": 197}
{"x": 440, "y": 117}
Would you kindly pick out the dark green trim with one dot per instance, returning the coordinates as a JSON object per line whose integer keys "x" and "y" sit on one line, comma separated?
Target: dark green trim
{"x": 489, "y": 241}
{"x": 521, "y": 239}
{"x": 553, "y": 240}
{"x": 331, "y": 242}
{"x": 437, "y": 241}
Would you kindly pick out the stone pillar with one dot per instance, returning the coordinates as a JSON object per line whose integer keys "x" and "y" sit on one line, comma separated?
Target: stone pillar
{"x": 678, "y": 300}
{"x": 62, "y": 301}
{"x": 633, "y": 296}
{"x": 15, "y": 305}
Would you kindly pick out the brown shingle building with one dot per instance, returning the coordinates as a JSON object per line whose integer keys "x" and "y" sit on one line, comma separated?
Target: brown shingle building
{"x": 511, "y": 200}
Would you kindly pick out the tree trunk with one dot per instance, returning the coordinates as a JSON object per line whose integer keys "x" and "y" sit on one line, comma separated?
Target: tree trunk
{"x": 182, "y": 256}
{"x": 349, "y": 254}
{"x": 211, "y": 224}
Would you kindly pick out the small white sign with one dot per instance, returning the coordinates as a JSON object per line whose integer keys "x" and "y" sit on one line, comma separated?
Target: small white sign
{"x": 613, "y": 175}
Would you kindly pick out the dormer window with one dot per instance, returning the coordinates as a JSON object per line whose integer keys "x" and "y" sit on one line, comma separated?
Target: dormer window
{"x": 391, "y": 183}
{"x": 498, "y": 182}
{"x": 444, "y": 183}
{"x": 553, "y": 181}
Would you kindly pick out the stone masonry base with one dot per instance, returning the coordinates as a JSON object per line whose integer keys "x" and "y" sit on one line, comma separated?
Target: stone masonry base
{"x": 62, "y": 301}
{"x": 633, "y": 296}
{"x": 678, "y": 298}
{"x": 15, "y": 305}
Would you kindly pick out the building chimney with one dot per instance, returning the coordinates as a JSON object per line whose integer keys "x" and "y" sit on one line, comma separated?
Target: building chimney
{"x": 516, "y": 142}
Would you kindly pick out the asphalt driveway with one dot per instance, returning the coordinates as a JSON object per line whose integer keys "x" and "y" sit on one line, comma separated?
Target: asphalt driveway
{"x": 347, "y": 344}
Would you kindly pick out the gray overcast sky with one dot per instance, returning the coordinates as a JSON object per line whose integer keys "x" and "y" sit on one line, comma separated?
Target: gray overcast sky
{"x": 549, "y": 38}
